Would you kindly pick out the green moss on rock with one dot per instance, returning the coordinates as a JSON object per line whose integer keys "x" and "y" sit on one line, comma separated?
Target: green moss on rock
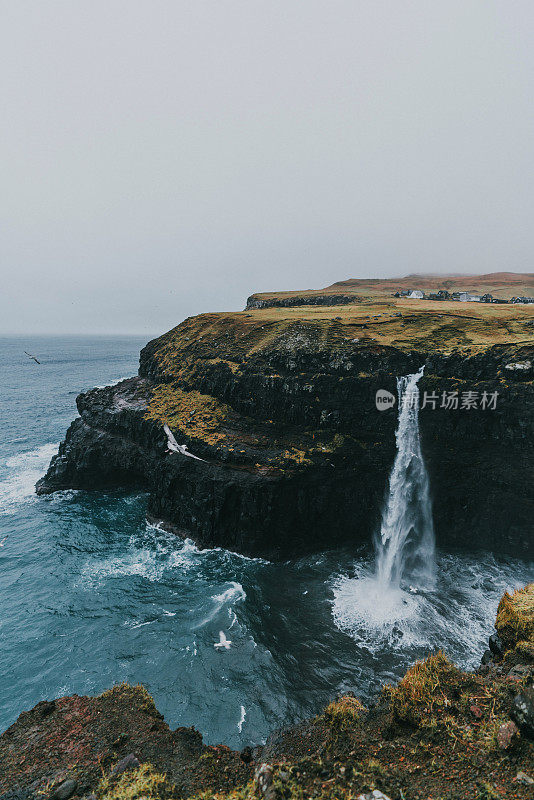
{"x": 413, "y": 698}
{"x": 143, "y": 783}
{"x": 515, "y": 618}
{"x": 345, "y": 712}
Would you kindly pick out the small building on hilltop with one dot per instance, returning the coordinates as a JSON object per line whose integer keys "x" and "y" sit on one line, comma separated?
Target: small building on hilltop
{"x": 467, "y": 297}
{"x": 443, "y": 294}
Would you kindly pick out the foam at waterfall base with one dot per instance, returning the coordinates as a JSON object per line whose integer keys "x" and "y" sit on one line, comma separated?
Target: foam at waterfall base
{"x": 376, "y": 614}
{"x": 456, "y": 616}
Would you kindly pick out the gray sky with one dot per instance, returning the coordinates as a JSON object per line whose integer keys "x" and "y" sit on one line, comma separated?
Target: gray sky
{"x": 159, "y": 159}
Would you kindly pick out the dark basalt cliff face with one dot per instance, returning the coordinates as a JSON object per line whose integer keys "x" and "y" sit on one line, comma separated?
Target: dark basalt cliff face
{"x": 292, "y": 301}
{"x": 296, "y": 454}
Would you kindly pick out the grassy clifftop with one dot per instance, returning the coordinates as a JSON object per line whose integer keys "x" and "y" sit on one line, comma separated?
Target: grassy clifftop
{"x": 500, "y": 284}
{"x": 407, "y": 325}
{"x": 363, "y": 313}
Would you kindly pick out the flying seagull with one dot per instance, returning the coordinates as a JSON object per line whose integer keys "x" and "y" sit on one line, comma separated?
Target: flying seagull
{"x": 30, "y": 356}
{"x": 174, "y": 447}
{"x": 2, "y": 543}
{"x": 223, "y": 641}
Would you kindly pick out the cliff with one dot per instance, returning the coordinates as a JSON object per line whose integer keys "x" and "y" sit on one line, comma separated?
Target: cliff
{"x": 304, "y": 299}
{"x": 280, "y": 405}
{"x": 439, "y": 734}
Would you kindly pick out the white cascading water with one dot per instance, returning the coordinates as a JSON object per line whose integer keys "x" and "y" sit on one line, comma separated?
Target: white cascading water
{"x": 405, "y": 546}
{"x": 387, "y": 602}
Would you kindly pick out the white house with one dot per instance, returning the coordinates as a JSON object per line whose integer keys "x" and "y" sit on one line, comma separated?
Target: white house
{"x": 416, "y": 294}
{"x": 467, "y": 297}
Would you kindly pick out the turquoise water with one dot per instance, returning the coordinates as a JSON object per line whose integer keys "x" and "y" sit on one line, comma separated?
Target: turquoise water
{"x": 91, "y": 595}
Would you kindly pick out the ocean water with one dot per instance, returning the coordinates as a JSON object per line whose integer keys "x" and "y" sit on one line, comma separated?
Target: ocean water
{"x": 91, "y": 595}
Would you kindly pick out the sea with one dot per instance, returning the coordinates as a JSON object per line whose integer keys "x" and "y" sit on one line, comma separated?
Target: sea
{"x": 92, "y": 595}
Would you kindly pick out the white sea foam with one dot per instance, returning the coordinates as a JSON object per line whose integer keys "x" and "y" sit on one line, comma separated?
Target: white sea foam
{"x": 373, "y": 613}
{"x": 232, "y": 616}
{"x": 228, "y": 553}
{"x": 192, "y": 548}
{"x": 242, "y": 720}
{"x": 61, "y": 495}
{"x": 151, "y": 554}
{"x": 139, "y": 624}
{"x": 142, "y": 563}
{"x": 114, "y": 382}
{"x": 457, "y": 616}
{"x": 22, "y": 473}
{"x": 148, "y": 555}
{"x": 234, "y": 593}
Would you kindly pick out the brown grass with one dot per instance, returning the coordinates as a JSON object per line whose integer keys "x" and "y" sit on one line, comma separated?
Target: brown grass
{"x": 342, "y": 714}
{"x": 413, "y": 698}
{"x": 142, "y": 783}
{"x": 135, "y": 693}
{"x": 233, "y": 338}
{"x": 515, "y": 618}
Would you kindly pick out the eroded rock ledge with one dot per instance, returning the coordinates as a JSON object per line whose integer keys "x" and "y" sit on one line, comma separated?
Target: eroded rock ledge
{"x": 296, "y": 454}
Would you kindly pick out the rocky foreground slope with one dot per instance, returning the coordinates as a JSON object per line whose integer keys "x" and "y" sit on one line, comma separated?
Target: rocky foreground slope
{"x": 440, "y": 734}
{"x": 280, "y": 405}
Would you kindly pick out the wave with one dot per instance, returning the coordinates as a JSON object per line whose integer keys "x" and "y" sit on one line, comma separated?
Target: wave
{"x": 151, "y": 554}
{"x": 235, "y": 592}
{"x": 150, "y": 562}
{"x": 23, "y": 471}
{"x": 114, "y": 382}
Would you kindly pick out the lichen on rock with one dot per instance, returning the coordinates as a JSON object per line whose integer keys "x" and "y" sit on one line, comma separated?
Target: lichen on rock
{"x": 193, "y": 414}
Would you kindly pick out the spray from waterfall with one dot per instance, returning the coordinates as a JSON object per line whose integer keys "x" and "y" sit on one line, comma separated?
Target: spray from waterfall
{"x": 405, "y": 546}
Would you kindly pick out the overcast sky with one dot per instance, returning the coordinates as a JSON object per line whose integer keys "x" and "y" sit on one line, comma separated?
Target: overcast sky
{"x": 159, "y": 159}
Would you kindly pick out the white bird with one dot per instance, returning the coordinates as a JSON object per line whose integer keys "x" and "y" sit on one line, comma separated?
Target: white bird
{"x": 174, "y": 447}
{"x": 2, "y": 543}
{"x": 223, "y": 641}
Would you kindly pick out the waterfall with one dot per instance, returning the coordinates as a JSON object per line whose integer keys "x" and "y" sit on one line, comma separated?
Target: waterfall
{"x": 405, "y": 546}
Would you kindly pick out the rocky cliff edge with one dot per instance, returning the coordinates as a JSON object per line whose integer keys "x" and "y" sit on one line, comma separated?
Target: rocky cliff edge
{"x": 280, "y": 406}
